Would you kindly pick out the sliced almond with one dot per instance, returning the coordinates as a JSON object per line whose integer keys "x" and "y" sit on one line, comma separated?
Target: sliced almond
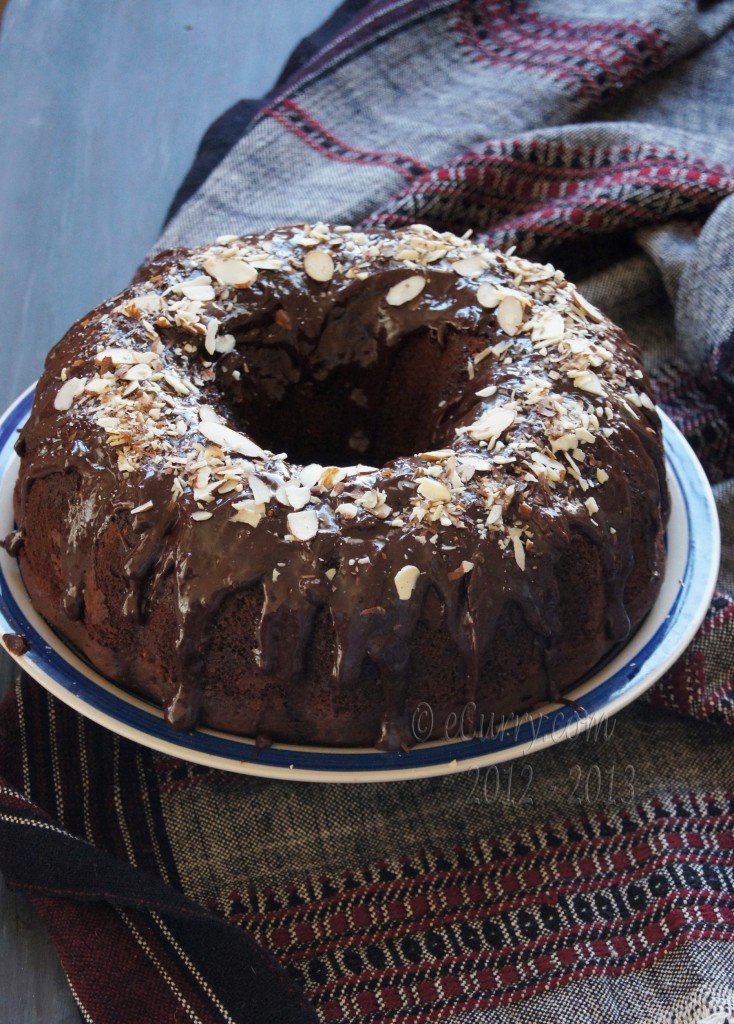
{"x": 68, "y": 392}
{"x": 405, "y": 290}
{"x": 347, "y": 510}
{"x": 230, "y": 440}
{"x": 472, "y": 266}
{"x": 224, "y": 343}
{"x": 235, "y": 273}
{"x": 509, "y": 314}
{"x": 298, "y": 497}
{"x": 434, "y": 490}
{"x": 588, "y": 381}
{"x": 248, "y": 511}
{"x": 405, "y": 581}
{"x": 549, "y": 327}
{"x": 260, "y": 490}
{"x": 212, "y": 327}
{"x": 318, "y": 265}
{"x": 331, "y": 476}
{"x": 303, "y": 525}
{"x": 199, "y": 289}
{"x": 437, "y": 456}
{"x": 309, "y": 475}
{"x": 493, "y": 422}
{"x": 583, "y": 303}
{"x": 488, "y": 296}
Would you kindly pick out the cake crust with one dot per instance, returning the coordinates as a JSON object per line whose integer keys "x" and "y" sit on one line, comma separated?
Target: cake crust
{"x": 304, "y": 484}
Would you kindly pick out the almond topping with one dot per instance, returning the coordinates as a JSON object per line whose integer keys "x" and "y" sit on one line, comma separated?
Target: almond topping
{"x": 68, "y": 392}
{"x": 488, "y": 296}
{"x": 236, "y": 273}
{"x": 405, "y": 290}
{"x": 318, "y": 265}
{"x": 230, "y": 440}
{"x": 433, "y": 490}
{"x": 405, "y": 581}
{"x": 299, "y": 497}
{"x": 509, "y": 314}
{"x": 303, "y": 525}
{"x": 470, "y": 267}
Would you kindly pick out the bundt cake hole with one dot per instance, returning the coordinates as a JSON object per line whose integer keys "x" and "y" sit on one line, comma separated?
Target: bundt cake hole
{"x": 400, "y": 403}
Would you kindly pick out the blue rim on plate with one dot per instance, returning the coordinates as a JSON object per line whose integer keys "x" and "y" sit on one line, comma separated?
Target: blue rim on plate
{"x": 693, "y": 557}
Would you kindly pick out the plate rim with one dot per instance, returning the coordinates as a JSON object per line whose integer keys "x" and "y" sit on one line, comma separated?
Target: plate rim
{"x": 693, "y": 596}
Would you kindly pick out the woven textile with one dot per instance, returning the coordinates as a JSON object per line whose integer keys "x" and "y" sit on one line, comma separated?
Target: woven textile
{"x": 594, "y": 880}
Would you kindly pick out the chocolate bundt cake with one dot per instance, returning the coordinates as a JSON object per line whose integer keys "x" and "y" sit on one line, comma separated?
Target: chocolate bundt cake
{"x": 299, "y": 485}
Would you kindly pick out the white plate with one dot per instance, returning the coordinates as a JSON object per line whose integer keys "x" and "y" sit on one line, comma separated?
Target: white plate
{"x": 693, "y": 559}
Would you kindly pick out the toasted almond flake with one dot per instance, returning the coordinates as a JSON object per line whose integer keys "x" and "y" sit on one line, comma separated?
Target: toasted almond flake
{"x": 330, "y": 574}
{"x": 138, "y": 371}
{"x": 492, "y": 423}
{"x": 472, "y": 266}
{"x": 298, "y": 497}
{"x": 200, "y": 517}
{"x": 331, "y": 476}
{"x": 303, "y": 525}
{"x": 583, "y": 303}
{"x": 405, "y": 581}
{"x": 347, "y": 510}
{"x": 495, "y": 515}
{"x": 226, "y": 239}
{"x": 549, "y": 327}
{"x": 438, "y": 456}
{"x": 97, "y": 385}
{"x": 249, "y": 512}
{"x": 212, "y": 327}
{"x": 319, "y": 265}
{"x": 224, "y": 344}
{"x": 509, "y": 314}
{"x": 487, "y": 392}
{"x": 519, "y": 551}
{"x": 591, "y": 506}
{"x": 406, "y": 290}
{"x": 260, "y": 490}
{"x": 149, "y": 302}
{"x": 309, "y": 475}
{"x": 488, "y": 296}
{"x": 234, "y": 272}
{"x": 467, "y": 566}
{"x": 68, "y": 391}
{"x": 434, "y": 490}
{"x": 209, "y": 413}
{"x": 141, "y": 508}
{"x": 587, "y": 381}
{"x": 602, "y": 476}
{"x": 198, "y": 289}
{"x": 230, "y": 440}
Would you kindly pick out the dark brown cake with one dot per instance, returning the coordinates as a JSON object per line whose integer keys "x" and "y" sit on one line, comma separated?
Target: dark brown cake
{"x": 470, "y": 512}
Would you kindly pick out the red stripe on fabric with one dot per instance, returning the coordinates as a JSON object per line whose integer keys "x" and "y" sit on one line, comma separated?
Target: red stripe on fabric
{"x": 512, "y": 36}
{"x": 358, "y": 155}
{"x": 506, "y": 994}
{"x": 490, "y": 867}
{"x": 291, "y": 105}
{"x": 438, "y": 919}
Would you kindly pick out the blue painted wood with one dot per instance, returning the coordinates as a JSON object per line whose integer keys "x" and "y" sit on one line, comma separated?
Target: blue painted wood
{"x": 102, "y": 105}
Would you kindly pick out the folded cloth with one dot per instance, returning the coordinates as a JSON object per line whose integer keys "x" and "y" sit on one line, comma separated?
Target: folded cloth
{"x": 595, "y": 879}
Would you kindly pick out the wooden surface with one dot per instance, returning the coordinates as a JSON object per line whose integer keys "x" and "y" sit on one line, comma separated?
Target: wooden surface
{"x": 102, "y": 105}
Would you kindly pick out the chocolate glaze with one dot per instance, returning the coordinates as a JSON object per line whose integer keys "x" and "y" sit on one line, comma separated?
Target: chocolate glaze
{"x": 305, "y": 348}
